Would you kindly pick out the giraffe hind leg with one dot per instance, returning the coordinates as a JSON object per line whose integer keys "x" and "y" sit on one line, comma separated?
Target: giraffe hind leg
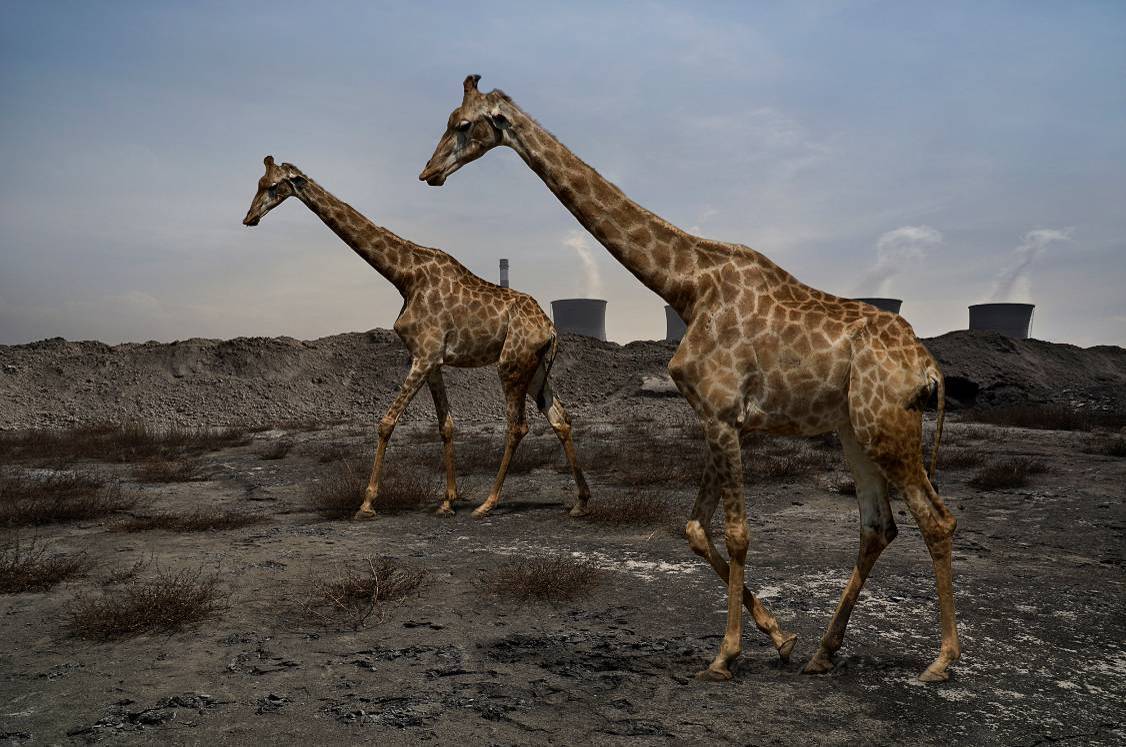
{"x": 556, "y": 415}
{"x": 877, "y": 530}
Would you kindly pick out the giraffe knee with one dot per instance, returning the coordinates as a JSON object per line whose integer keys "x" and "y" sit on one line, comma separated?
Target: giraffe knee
{"x": 697, "y": 538}
{"x": 446, "y": 428}
{"x": 736, "y": 538}
{"x": 386, "y": 427}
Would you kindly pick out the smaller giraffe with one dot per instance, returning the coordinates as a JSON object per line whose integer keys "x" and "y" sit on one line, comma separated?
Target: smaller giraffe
{"x": 449, "y": 317}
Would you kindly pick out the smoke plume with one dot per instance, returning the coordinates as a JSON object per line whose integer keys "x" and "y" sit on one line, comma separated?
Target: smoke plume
{"x": 1012, "y": 281}
{"x": 894, "y": 251}
{"x": 592, "y": 277}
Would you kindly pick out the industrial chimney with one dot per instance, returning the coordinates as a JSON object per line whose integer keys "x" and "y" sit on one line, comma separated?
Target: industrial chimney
{"x": 580, "y": 316}
{"x": 504, "y": 273}
{"x": 674, "y": 325}
{"x": 883, "y": 304}
{"x": 1010, "y": 319}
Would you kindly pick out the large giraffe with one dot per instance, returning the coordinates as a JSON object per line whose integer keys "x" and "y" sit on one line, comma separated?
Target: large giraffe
{"x": 762, "y": 352}
{"x": 449, "y": 317}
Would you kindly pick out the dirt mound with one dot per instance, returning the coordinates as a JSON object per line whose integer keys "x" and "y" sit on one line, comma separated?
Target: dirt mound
{"x": 988, "y": 369}
{"x": 354, "y": 376}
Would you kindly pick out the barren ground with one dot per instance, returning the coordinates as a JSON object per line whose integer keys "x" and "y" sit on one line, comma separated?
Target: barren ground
{"x": 1039, "y": 588}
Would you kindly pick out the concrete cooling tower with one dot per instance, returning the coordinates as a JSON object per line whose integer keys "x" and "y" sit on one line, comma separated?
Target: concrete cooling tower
{"x": 580, "y": 316}
{"x": 884, "y": 304}
{"x": 674, "y": 325}
{"x": 1010, "y": 319}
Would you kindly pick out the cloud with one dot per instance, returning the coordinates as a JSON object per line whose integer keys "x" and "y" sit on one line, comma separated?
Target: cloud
{"x": 895, "y": 250}
{"x": 592, "y": 277}
{"x": 1012, "y": 282}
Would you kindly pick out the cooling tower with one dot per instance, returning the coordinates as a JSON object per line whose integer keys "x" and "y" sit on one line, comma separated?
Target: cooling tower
{"x": 1010, "y": 319}
{"x": 884, "y": 304}
{"x": 504, "y": 273}
{"x": 580, "y": 316}
{"x": 674, "y": 325}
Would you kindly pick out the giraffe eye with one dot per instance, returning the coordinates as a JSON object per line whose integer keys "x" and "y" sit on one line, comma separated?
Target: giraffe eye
{"x": 462, "y": 126}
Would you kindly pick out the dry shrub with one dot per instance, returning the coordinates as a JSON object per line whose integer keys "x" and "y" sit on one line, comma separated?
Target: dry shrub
{"x": 276, "y": 450}
{"x": 844, "y": 486}
{"x": 339, "y": 492}
{"x": 551, "y": 578}
{"x": 1048, "y": 417}
{"x": 1011, "y": 472}
{"x": 167, "y": 602}
{"x": 1114, "y": 447}
{"x": 335, "y": 452}
{"x": 956, "y": 458}
{"x": 167, "y": 470}
{"x": 117, "y": 443}
{"x": 637, "y": 508}
{"x": 31, "y": 500}
{"x": 29, "y": 566}
{"x": 200, "y": 520}
{"x": 124, "y": 575}
{"x": 644, "y": 458}
{"x": 351, "y": 595}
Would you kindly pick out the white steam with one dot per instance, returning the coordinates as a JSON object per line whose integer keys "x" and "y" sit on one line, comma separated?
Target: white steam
{"x": 1012, "y": 282}
{"x": 895, "y": 250}
{"x": 592, "y": 277}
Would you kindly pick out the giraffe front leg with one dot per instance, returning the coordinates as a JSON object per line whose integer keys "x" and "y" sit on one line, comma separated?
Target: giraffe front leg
{"x": 700, "y": 540}
{"x": 409, "y": 388}
{"x": 446, "y": 429}
{"x": 723, "y": 446}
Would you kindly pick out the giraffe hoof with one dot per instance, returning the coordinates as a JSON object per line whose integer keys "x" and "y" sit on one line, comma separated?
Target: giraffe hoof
{"x": 579, "y": 510}
{"x": 481, "y": 512}
{"x": 787, "y": 648}
{"x": 714, "y": 675}
{"x": 362, "y": 515}
{"x": 934, "y": 675}
{"x": 818, "y": 665}
{"x": 444, "y": 511}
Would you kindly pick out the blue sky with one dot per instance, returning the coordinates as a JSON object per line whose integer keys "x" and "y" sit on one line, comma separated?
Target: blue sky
{"x": 920, "y": 150}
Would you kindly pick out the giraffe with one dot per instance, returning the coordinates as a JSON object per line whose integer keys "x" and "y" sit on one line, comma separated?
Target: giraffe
{"x": 449, "y": 317}
{"x": 762, "y": 352}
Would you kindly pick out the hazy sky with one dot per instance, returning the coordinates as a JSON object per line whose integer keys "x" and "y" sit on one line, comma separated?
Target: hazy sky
{"x": 939, "y": 152}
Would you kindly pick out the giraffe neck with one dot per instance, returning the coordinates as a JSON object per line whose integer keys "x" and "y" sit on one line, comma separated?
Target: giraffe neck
{"x": 643, "y": 242}
{"x": 391, "y": 255}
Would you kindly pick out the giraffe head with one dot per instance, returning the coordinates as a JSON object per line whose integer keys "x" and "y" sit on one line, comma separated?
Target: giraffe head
{"x": 474, "y": 128}
{"x": 274, "y": 187}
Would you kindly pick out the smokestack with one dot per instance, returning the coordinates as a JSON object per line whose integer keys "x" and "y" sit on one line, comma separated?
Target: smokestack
{"x": 1010, "y": 319}
{"x": 883, "y": 304}
{"x": 504, "y": 273}
{"x": 674, "y": 325}
{"x": 580, "y": 316}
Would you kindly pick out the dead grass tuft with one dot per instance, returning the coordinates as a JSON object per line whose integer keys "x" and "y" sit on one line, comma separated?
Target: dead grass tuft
{"x": 56, "y": 497}
{"x": 637, "y": 508}
{"x": 352, "y": 595}
{"x": 159, "y": 469}
{"x": 340, "y": 491}
{"x": 200, "y": 520}
{"x": 1010, "y": 472}
{"x": 276, "y": 450}
{"x": 116, "y": 443}
{"x": 956, "y": 458}
{"x": 1048, "y": 417}
{"x": 1114, "y": 447}
{"x": 552, "y": 578}
{"x": 167, "y": 602}
{"x": 29, "y": 566}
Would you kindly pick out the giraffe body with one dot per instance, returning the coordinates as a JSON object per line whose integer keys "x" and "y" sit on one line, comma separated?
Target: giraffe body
{"x": 761, "y": 352}
{"x": 449, "y": 317}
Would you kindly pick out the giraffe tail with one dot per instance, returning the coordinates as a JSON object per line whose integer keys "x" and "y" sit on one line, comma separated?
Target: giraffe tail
{"x": 939, "y": 384}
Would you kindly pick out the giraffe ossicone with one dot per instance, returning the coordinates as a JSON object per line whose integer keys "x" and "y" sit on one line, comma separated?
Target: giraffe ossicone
{"x": 449, "y": 317}
{"x": 761, "y": 352}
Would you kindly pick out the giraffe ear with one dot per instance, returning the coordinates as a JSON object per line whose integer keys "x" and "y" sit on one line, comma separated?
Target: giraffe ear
{"x": 470, "y": 84}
